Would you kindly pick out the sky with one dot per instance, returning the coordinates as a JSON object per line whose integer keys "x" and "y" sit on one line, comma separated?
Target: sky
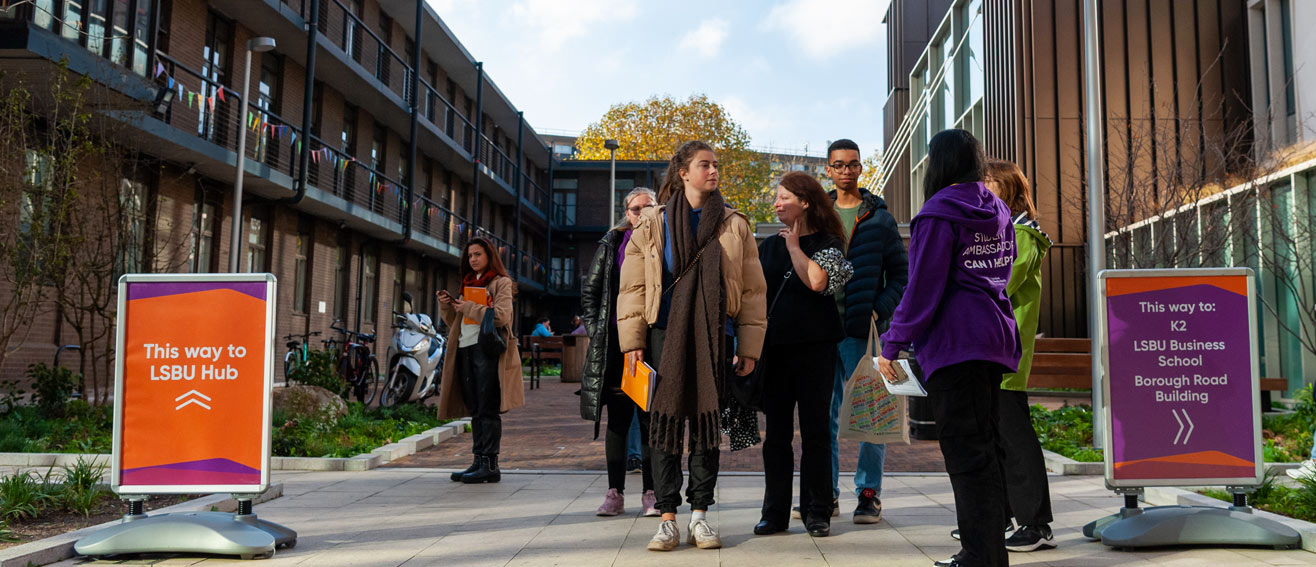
{"x": 796, "y": 74}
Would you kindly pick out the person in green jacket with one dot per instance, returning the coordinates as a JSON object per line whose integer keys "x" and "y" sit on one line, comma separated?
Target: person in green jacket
{"x": 1027, "y": 491}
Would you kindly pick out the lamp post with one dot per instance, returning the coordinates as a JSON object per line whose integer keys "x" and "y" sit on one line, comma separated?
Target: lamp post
{"x": 612, "y": 146}
{"x": 260, "y": 45}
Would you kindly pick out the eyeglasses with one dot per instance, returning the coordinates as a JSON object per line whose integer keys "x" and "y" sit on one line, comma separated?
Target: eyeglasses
{"x": 638, "y": 210}
{"x": 854, "y": 166}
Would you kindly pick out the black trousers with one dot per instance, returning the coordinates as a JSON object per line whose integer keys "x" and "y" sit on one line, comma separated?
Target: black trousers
{"x": 1026, "y": 488}
{"x": 964, "y": 402}
{"x": 483, "y": 397}
{"x": 620, "y": 411}
{"x": 798, "y": 375}
{"x": 703, "y": 464}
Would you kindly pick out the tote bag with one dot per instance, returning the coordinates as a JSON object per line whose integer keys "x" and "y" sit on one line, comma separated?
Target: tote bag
{"x": 868, "y": 412}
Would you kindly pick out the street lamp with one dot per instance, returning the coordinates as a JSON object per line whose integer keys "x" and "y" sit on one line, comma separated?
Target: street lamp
{"x": 612, "y": 146}
{"x": 260, "y": 45}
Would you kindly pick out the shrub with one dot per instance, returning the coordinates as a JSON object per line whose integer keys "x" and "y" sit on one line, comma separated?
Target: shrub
{"x": 52, "y": 387}
{"x": 21, "y": 496}
{"x": 321, "y": 369}
{"x": 1066, "y": 430}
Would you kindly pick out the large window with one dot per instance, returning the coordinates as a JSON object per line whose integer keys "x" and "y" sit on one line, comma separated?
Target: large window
{"x": 564, "y": 201}
{"x": 301, "y": 283}
{"x": 974, "y": 59}
{"x": 216, "y": 55}
{"x": 258, "y": 239}
{"x": 132, "y": 218}
{"x": 564, "y": 273}
{"x": 342, "y": 271}
{"x": 269, "y": 100}
{"x": 369, "y": 284}
{"x": 203, "y": 241}
{"x": 33, "y": 212}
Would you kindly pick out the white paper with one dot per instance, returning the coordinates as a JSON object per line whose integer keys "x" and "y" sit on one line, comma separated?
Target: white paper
{"x": 908, "y": 384}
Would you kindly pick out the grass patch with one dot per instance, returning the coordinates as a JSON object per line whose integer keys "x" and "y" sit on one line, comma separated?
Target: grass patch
{"x": 1294, "y": 502}
{"x": 1066, "y": 430}
{"x": 360, "y": 431}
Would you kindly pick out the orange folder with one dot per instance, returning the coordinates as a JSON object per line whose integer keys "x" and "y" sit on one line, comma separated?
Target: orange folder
{"x": 639, "y": 384}
{"x": 477, "y": 294}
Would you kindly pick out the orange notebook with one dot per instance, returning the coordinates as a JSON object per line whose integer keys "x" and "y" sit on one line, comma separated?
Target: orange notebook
{"x": 477, "y": 294}
{"x": 639, "y": 385}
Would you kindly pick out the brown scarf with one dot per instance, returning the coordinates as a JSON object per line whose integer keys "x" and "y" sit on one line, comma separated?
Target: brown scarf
{"x": 691, "y": 364}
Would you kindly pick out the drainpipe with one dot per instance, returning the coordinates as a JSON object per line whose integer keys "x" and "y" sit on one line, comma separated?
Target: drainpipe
{"x": 549, "y": 248}
{"x": 520, "y": 183}
{"x": 415, "y": 117}
{"x": 479, "y": 140}
{"x": 308, "y": 98}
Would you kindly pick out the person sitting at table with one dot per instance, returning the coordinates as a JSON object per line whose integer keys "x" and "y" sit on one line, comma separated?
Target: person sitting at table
{"x": 543, "y": 329}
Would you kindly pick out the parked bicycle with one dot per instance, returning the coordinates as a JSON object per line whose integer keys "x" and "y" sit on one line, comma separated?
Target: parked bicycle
{"x": 299, "y": 351}
{"x": 357, "y": 365}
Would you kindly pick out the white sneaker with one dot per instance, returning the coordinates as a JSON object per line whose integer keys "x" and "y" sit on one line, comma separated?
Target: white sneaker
{"x": 667, "y": 537}
{"x": 703, "y": 536}
{"x": 1305, "y": 472}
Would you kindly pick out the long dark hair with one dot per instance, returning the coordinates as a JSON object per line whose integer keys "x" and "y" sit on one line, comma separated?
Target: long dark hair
{"x": 954, "y": 156}
{"x": 1012, "y": 187}
{"x": 680, "y": 160}
{"x": 490, "y": 251}
{"x": 820, "y": 215}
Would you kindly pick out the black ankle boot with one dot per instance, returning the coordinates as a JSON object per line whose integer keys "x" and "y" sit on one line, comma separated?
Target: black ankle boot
{"x": 457, "y": 476}
{"x": 486, "y": 471}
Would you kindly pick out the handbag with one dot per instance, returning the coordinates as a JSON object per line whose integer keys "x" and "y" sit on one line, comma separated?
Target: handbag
{"x": 491, "y": 341}
{"x": 748, "y": 389}
{"x": 868, "y": 411}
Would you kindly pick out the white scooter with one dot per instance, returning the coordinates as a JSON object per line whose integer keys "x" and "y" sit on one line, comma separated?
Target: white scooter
{"x": 415, "y": 360}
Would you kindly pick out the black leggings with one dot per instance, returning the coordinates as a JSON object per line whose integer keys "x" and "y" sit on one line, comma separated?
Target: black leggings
{"x": 620, "y": 410}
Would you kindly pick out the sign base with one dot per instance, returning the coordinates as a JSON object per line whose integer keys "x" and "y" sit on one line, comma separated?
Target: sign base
{"x": 217, "y": 533}
{"x": 1190, "y": 525}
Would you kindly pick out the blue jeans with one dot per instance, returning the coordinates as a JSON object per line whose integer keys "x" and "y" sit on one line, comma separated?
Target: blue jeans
{"x": 633, "y": 439}
{"x": 872, "y": 456}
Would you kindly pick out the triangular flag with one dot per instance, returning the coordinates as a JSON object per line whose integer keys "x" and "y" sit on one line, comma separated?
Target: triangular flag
{"x": 180, "y": 90}
{"x": 210, "y": 100}
{"x": 159, "y": 68}
{"x": 221, "y": 94}
{"x": 171, "y": 83}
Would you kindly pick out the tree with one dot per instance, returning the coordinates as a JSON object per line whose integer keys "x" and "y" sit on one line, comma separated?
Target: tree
{"x": 653, "y": 129}
{"x": 871, "y": 178}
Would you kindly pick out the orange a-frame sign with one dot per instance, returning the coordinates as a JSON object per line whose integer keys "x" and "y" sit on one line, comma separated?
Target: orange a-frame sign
{"x": 192, "y": 383}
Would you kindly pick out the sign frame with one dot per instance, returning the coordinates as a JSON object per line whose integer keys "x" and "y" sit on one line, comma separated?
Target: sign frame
{"x": 271, "y": 300}
{"x": 1107, "y": 416}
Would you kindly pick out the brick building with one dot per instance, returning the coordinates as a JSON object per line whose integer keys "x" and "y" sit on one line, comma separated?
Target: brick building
{"x": 410, "y": 147}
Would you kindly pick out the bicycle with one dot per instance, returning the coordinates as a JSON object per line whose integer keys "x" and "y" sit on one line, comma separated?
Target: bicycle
{"x": 357, "y": 365}
{"x": 299, "y": 351}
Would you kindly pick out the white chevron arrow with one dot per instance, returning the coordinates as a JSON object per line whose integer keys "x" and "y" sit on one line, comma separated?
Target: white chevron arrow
{"x": 1190, "y": 427}
{"x": 1175, "y": 413}
{"x": 193, "y": 395}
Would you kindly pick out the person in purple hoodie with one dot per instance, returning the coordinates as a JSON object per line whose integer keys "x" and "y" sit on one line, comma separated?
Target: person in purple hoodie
{"x": 958, "y": 323}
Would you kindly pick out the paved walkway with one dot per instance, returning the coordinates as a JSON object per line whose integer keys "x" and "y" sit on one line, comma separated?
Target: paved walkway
{"x": 416, "y": 517}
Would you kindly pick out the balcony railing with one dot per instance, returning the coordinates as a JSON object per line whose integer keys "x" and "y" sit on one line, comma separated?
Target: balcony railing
{"x": 533, "y": 193}
{"x": 336, "y": 172}
{"x": 440, "y": 112}
{"x": 437, "y": 222}
{"x": 359, "y": 43}
{"x": 497, "y": 161}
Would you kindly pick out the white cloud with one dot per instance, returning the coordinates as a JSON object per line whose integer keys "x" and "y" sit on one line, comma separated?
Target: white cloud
{"x": 827, "y": 28}
{"x": 554, "y": 22}
{"x": 706, "y": 39}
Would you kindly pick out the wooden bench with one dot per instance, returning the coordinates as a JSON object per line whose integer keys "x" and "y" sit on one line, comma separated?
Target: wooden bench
{"x": 540, "y": 349}
{"x": 1067, "y": 363}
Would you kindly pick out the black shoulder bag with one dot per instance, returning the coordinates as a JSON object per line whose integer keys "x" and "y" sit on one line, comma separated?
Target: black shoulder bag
{"x": 748, "y": 389}
{"x": 491, "y": 341}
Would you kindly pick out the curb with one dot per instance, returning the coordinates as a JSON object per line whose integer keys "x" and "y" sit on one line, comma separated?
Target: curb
{"x": 1171, "y": 496}
{"x": 60, "y": 547}
{"x": 362, "y": 462}
{"x": 1057, "y": 463}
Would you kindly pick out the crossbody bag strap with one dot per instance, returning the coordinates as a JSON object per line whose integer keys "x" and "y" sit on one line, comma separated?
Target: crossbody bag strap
{"x": 781, "y": 287}
{"x": 698, "y": 254}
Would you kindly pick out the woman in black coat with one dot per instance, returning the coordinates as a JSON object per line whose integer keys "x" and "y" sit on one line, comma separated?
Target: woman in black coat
{"x": 602, "y": 381}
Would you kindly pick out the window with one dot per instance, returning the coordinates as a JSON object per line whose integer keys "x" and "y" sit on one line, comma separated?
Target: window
{"x": 203, "y": 242}
{"x": 36, "y": 199}
{"x": 96, "y": 28}
{"x": 947, "y": 90}
{"x": 564, "y": 201}
{"x": 132, "y": 215}
{"x": 257, "y": 241}
{"x": 72, "y": 28}
{"x": 216, "y": 54}
{"x": 384, "y": 57}
{"x": 269, "y": 99}
{"x": 342, "y": 263}
{"x": 43, "y": 11}
{"x": 624, "y": 187}
{"x": 118, "y": 32}
{"x": 301, "y": 264}
{"x": 346, "y": 176}
{"x": 564, "y": 273}
{"x": 974, "y": 61}
{"x": 369, "y": 284}
{"x": 397, "y": 285}
{"x": 351, "y": 30}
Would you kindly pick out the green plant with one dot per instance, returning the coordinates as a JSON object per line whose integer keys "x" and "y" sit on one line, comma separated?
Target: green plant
{"x": 321, "y": 369}
{"x": 360, "y": 430}
{"x": 11, "y": 393}
{"x": 52, "y": 387}
{"x": 84, "y": 474}
{"x": 21, "y": 496}
{"x": 1066, "y": 430}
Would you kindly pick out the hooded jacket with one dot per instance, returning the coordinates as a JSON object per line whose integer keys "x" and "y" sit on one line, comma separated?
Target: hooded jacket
{"x": 961, "y": 251}
{"x": 881, "y": 268}
{"x": 1025, "y": 293}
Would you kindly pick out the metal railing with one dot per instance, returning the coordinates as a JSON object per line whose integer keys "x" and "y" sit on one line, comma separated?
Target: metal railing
{"x": 438, "y": 222}
{"x": 440, "y": 112}
{"x": 496, "y": 160}
{"x": 534, "y": 193}
{"x": 354, "y": 181}
{"x": 358, "y": 42}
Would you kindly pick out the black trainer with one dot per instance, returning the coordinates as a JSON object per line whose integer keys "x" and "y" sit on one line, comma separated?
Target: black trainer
{"x": 952, "y": 561}
{"x": 1009, "y": 527}
{"x": 1031, "y": 538}
{"x": 836, "y": 510}
{"x": 633, "y": 464}
{"x": 869, "y": 509}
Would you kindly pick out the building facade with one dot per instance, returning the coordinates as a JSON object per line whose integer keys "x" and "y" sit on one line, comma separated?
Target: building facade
{"x": 360, "y": 188}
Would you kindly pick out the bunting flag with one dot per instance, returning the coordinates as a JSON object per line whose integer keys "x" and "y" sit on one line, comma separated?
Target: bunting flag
{"x": 210, "y": 100}
{"x": 171, "y": 83}
{"x": 221, "y": 94}
{"x": 159, "y": 68}
{"x": 180, "y": 90}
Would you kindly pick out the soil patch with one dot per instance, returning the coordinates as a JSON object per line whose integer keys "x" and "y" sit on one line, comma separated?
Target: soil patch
{"x": 55, "y": 522}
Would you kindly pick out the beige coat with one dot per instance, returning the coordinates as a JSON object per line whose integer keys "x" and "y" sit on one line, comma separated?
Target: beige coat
{"x": 451, "y": 404}
{"x": 742, "y": 277}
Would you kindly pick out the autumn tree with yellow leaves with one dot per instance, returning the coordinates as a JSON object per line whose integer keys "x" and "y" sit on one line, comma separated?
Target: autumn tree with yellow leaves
{"x": 654, "y": 128}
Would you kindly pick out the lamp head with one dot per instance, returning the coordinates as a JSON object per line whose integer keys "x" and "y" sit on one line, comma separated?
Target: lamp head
{"x": 260, "y": 44}
{"x": 611, "y": 144}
